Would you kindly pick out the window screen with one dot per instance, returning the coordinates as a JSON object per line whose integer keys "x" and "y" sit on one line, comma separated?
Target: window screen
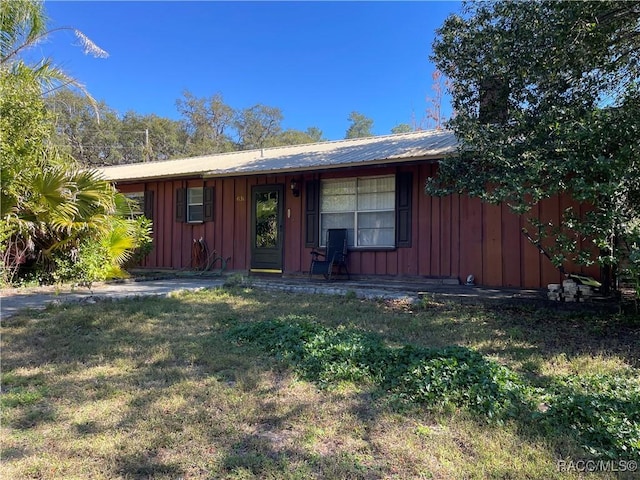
{"x": 364, "y": 206}
{"x": 195, "y": 205}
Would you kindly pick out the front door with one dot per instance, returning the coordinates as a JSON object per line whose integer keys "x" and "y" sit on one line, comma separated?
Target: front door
{"x": 267, "y": 233}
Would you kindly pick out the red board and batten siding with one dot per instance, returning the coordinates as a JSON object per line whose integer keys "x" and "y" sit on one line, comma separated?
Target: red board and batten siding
{"x": 453, "y": 236}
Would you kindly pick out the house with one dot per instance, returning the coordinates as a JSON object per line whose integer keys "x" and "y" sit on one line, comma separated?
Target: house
{"x": 268, "y": 208}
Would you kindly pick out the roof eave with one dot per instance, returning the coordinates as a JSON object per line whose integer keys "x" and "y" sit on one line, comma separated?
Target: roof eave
{"x": 279, "y": 171}
{"x": 178, "y": 176}
{"x": 338, "y": 166}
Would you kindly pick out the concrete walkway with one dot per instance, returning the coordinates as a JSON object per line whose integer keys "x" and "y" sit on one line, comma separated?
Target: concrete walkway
{"x": 13, "y": 300}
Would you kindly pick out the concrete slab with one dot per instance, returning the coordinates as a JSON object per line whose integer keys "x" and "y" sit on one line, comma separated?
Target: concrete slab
{"x": 14, "y": 300}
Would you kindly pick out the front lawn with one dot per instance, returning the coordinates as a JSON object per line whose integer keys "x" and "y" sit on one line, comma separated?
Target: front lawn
{"x": 240, "y": 383}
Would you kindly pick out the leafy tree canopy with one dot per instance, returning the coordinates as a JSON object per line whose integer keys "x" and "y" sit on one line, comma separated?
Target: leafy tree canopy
{"x": 23, "y": 26}
{"x": 207, "y": 122}
{"x": 109, "y": 138}
{"x": 208, "y": 125}
{"x": 547, "y": 100}
{"x": 256, "y": 125}
{"x": 360, "y": 126}
{"x": 402, "y": 128}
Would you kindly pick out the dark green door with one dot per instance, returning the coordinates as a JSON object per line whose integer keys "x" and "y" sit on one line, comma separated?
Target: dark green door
{"x": 267, "y": 231}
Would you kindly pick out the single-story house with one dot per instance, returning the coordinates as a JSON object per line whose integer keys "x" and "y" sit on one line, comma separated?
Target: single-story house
{"x": 268, "y": 208}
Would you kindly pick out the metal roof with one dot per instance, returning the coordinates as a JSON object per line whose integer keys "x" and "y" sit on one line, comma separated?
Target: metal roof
{"x": 403, "y": 147}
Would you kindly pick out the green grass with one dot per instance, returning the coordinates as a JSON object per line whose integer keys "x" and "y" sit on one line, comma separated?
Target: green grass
{"x": 251, "y": 384}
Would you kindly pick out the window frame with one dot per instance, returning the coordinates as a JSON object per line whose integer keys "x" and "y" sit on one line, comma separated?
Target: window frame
{"x": 184, "y": 204}
{"x": 359, "y": 211}
{"x": 189, "y": 204}
{"x": 137, "y": 202}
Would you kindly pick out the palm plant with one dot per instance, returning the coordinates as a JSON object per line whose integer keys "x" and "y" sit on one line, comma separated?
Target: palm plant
{"x": 51, "y": 209}
{"x": 24, "y": 25}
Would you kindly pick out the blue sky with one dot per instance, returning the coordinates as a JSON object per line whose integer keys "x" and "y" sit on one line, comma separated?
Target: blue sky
{"x": 316, "y": 61}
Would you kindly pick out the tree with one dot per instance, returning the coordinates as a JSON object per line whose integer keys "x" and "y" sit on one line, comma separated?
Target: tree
{"x": 402, "y": 128}
{"x": 89, "y": 138}
{"x": 294, "y": 137}
{"x": 547, "y": 101}
{"x": 151, "y": 138}
{"x": 52, "y": 210}
{"x": 24, "y": 25}
{"x": 208, "y": 126}
{"x": 209, "y": 123}
{"x": 113, "y": 139}
{"x": 434, "y": 111}
{"x": 257, "y": 126}
{"x": 212, "y": 126}
{"x": 315, "y": 134}
{"x": 360, "y": 126}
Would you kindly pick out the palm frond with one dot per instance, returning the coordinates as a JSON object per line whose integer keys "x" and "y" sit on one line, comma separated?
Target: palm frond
{"x": 22, "y": 23}
{"x": 119, "y": 242}
{"x": 124, "y": 206}
{"x": 52, "y": 78}
{"x": 52, "y": 187}
{"x": 92, "y": 193}
{"x": 89, "y": 47}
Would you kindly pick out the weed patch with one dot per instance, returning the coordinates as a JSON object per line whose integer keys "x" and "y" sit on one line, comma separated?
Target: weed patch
{"x": 602, "y": 411}
{"x": 456, "y": 377}
{"x": 439, "y": 378}
{"x": 322, "y": 355}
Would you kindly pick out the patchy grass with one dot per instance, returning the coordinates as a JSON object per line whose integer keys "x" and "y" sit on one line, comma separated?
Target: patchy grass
{"x": 164, "y": 388}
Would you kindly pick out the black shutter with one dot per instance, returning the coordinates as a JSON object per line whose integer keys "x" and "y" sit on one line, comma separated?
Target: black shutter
{"x": 208, "y": 204}
{"x": 148, "y": 204}
{"x": 404, "y": 186}
{"x": 181, "y": 204}
{"x": 311, "y": 213}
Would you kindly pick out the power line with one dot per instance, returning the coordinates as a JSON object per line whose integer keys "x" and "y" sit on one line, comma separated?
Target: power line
{"x": 95, "y": 146}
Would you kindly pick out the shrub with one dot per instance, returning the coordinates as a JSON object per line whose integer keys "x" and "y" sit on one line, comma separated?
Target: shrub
{"x": 141, "y": 229}
{"x": 98, "y": 259}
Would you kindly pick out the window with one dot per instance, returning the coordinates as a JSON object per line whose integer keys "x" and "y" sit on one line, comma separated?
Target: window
{"x": 364, "y": 206}
{"x": 141, "y": 203}
{"x": 136, "y": 202}
{"x": 195, "y": 205}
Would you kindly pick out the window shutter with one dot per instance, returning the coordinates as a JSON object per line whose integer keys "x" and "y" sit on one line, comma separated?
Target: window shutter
{"x": 404, "y": 186}
{"x": 181, "y": 204}
{"x": 148, "y": 204}
{"x": 207, "y": 204}
{"x": 311, "y": 212}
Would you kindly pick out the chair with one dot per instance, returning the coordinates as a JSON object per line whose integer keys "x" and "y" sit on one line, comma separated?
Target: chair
{"x": 335, "y": 255}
